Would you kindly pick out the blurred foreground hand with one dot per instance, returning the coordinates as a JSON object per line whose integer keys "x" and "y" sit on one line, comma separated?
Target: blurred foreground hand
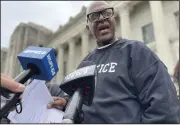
{"x": 58, "y": 103}
{"x": 10, "y": 84}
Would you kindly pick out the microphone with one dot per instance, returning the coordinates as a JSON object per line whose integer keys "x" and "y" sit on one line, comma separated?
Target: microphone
{"x": 38, "y": 63}
{"x": 41, "y": 61}
{"x": 80, "y": 85}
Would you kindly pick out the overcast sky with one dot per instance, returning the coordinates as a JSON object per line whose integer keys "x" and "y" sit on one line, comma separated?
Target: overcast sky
{"x": 50, "y": 14}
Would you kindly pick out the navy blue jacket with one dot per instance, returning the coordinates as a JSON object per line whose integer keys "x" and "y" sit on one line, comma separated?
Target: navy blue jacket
{"x": 133, "y": 86}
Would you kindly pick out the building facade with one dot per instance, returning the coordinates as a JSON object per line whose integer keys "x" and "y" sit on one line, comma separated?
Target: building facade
{"x": 24, "y": 35}
{"x": 3, "y": 58}
{"x": 156, "y": 23}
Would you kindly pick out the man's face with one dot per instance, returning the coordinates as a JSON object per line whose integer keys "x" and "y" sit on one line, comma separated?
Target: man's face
{"x": 101, "y": 22}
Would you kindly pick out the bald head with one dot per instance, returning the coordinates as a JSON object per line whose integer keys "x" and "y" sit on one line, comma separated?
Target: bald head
{"x": 101, "y": 22}
{"x": 97, "y": 5}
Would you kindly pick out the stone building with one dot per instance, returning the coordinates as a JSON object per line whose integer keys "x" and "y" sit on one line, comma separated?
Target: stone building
{"x": 3, "y": 58}
{"x": 156, "y": 23}
{"x": 24, "y": 35}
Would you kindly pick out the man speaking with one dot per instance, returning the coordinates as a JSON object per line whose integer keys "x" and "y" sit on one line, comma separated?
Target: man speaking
{"x": 133, "y": 85}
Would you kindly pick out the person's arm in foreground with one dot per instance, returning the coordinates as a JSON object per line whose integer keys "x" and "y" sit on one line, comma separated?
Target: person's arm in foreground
{"x": 156, "y": 92}
{"x": 10, "y": 84}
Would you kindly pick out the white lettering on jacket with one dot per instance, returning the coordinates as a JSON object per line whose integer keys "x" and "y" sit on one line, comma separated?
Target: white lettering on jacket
{"x": 109, "y": 67}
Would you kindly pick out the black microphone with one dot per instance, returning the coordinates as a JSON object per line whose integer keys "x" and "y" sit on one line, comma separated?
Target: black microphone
{"x": 80, "y": 85}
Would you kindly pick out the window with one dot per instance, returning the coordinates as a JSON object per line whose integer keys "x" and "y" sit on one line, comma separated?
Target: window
{"x": 177, "y": 18}
{"x": 148, "y": 33}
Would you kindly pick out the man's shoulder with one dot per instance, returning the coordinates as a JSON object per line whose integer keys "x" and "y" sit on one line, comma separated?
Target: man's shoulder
{"x": 131, "y": 43}
{"x": 138, "y": 50}
{"x": 135, "y": 46}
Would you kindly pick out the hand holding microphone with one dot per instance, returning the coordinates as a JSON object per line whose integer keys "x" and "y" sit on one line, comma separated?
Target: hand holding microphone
{"x": 10, "y": 84}
{"x": 38, "y": 63}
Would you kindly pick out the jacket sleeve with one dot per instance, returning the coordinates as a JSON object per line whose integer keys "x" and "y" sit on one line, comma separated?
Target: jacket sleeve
{"x": 156, "y": 91}
{"x": 55, "y": 90}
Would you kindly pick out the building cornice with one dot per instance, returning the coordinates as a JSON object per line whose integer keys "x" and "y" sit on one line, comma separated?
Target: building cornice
{"x": 39, "y": 28}
{"x": 34, "y": 26}
{"x": 72, "y": 20}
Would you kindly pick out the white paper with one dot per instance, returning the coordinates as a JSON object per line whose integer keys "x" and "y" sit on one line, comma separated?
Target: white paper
{"x": 34, "y": 101}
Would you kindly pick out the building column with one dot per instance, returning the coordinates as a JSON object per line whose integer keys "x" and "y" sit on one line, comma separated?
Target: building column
{"x": 162, "y": 42}
{"x": 60, "y": 62}
{"x": 8, "y": 59}
{"x": 26, "y": 38}
{"x": 125, "y": 21}
{"x": 71, "y": 56}
{"x": 19, "y": 46}
{"x": 11, "y": 69}
{"x": 84, "y": 45}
